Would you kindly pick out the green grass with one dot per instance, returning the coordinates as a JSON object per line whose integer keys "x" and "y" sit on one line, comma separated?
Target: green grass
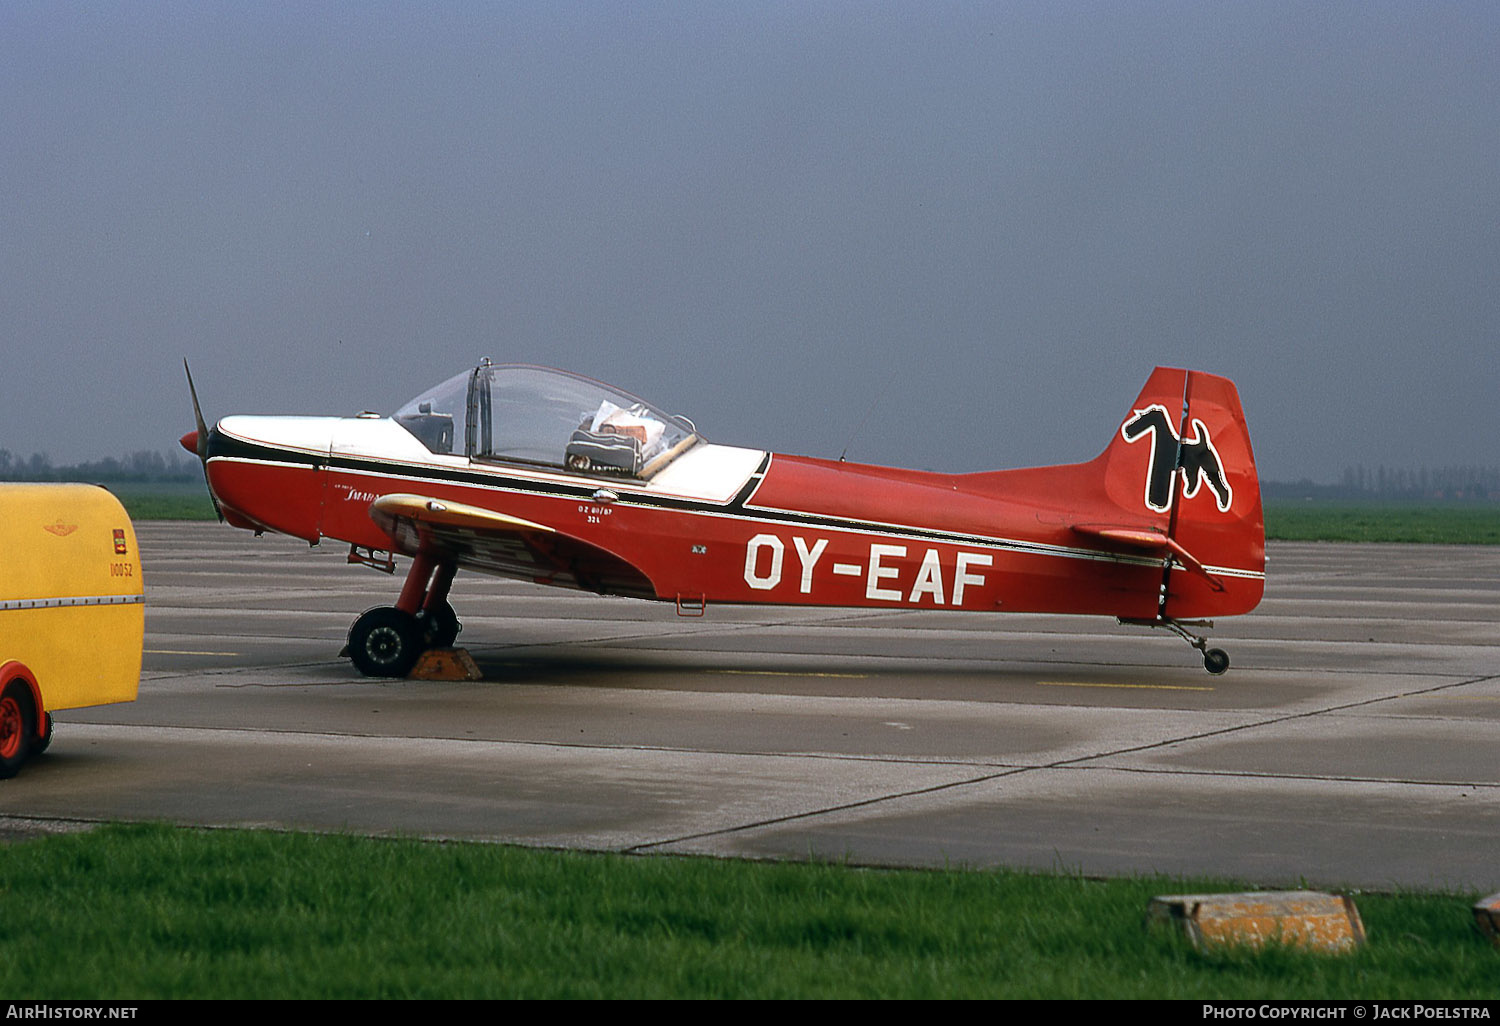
{"x": 165, "y": 500}
{"x": 154, "y": 912}
{"x": 1326, "y": 520}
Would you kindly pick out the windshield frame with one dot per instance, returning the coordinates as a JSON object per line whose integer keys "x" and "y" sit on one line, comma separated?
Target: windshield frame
{"x": 549, "y": 419}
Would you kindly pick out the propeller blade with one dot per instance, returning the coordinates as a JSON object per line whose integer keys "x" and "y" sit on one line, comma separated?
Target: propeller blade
{"x": 202, "y": 439}
{"x": 197, "y": 415}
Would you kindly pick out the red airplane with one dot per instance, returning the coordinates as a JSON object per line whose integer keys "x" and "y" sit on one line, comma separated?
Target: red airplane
{"x": 549, "y": 477}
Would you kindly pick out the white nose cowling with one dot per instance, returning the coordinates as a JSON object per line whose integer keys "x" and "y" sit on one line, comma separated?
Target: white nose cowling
{"x": 266, "y": 472}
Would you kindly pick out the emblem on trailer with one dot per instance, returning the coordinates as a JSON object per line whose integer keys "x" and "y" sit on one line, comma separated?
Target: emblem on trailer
{"x": 1195, "y": 457}
{"x": 60, "y": 529}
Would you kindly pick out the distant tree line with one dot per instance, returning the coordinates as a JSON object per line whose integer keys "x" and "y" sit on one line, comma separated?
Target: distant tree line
{"x": 1437, "y": 484}
{"x": 142, "y": 465}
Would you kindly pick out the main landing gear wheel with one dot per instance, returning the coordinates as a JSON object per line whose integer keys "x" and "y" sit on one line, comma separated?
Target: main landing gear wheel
{"x": 441, "y": 626}
{"x": 17, "y": 726}
{"x": 1216, "y": 661}
{"x": 385, "y": 642}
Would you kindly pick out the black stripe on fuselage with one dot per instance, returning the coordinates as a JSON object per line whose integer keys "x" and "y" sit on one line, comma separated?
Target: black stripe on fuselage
{"x": 221, "y": 446}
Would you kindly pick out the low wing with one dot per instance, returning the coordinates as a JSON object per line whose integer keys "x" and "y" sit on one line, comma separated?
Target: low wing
{"x": 497, "y": 543}
{"x": 1150, "y": 540}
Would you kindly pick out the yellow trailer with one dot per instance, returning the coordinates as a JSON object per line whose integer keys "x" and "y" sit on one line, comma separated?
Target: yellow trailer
{"x": 72, "y": 610}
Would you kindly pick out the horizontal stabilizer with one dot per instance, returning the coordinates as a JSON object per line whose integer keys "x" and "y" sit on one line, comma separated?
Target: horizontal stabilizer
{"x": 1152, "y": 540}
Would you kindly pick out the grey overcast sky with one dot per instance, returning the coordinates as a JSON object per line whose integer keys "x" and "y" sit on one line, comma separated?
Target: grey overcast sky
{"x": 949, "y": 235}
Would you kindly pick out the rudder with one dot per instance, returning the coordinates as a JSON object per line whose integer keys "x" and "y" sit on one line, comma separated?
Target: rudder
{"x": 1181, "y": 463}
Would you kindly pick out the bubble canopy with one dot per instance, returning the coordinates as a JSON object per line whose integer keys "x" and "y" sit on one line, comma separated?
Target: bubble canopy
{"x": 536, "y": 415}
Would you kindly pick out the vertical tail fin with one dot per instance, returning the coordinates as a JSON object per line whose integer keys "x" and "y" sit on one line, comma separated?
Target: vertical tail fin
{"x": 1181, "y": 463}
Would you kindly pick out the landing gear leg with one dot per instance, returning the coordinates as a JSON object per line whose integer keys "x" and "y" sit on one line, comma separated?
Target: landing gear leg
{"x": 1215, "y": 660}
{"x": 387, "y": 641}
{"x": 439, "y": 621}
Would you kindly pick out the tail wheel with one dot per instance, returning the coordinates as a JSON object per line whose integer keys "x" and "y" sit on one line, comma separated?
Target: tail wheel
{"x": 385, "y": 642}
{"x": 17, "y": 725}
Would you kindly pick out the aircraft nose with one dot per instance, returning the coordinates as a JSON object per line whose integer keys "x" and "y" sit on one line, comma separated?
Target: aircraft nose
{"x": 189, "y": 442}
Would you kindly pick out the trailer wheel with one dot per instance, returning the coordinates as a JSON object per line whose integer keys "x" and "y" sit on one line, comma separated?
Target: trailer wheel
{"x": 17, "y": 719}
{"x": 385, "y": 642}
{"x": 42, "y": 743}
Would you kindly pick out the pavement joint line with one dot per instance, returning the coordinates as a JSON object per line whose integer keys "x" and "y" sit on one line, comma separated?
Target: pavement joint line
{"x": 1073, "y": 763}
{"x": 1269, "y": 721}
{"x": 1125, "y": 687}
{"x": 155, "y": 675}
{"x": 1017, "y": 771}
{"x": 1268, "y": 775}
{"x": 792, "y": 673}
{"x": 811, "y": 813}
{"x": 1008, "y": 767}
{"x": 342, "y": 683}
{"x": 176, "y": 651}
